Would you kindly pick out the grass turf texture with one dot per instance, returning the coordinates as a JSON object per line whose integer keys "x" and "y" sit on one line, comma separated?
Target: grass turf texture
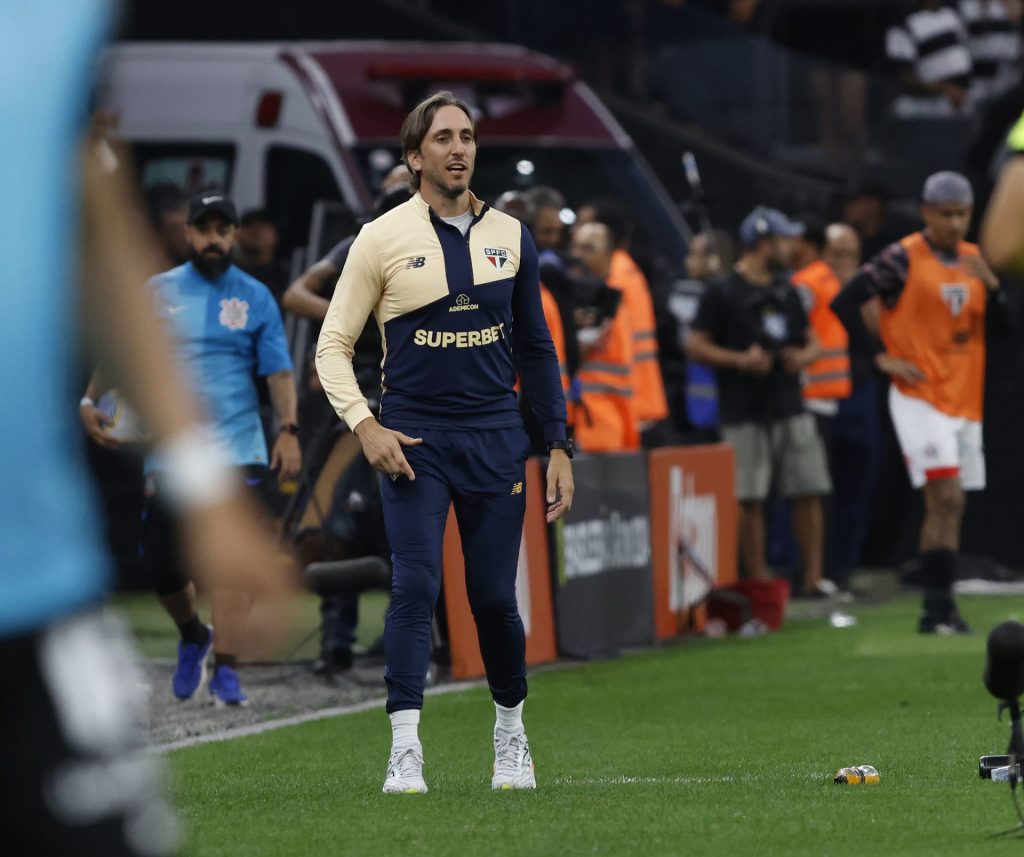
{"x": 715, "y": 747}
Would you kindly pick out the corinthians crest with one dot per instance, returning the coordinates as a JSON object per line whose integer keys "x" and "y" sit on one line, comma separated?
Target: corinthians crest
{"x": 234, "y": 313}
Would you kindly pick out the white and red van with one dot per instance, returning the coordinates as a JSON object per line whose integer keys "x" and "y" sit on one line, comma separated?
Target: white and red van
{"x": 293, "y": 126}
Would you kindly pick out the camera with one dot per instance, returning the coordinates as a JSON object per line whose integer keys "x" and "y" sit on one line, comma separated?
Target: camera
{"x": 987, "y": 764}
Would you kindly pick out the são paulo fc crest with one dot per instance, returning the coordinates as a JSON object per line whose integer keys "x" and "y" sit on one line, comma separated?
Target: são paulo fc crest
{"x": 234, "y": 313}
{"x": 955, "y": 296}
{"x": 498, "y": 258}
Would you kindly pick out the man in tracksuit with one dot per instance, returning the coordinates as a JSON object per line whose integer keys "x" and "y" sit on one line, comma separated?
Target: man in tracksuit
{"x": 454, "y": 287}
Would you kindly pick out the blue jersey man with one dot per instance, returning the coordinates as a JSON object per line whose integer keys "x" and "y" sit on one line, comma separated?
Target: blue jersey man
{"x": 78, "y": 778}
{"x": 454, "y": 287}
{"x": 227, "y": 328}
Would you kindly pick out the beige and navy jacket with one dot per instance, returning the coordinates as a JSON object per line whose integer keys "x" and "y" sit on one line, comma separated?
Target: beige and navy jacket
{"x": 459, "y": 317}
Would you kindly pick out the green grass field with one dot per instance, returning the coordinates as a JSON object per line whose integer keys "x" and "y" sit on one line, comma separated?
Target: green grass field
{"x": 720, "y": 747}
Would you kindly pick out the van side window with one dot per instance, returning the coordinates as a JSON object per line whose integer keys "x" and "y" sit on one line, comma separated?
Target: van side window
{"x": 295, "y": 179}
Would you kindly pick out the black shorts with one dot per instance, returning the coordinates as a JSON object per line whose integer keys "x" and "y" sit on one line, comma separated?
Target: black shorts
{"x": 162, "y": 556}
{"x": 75, "y": 774}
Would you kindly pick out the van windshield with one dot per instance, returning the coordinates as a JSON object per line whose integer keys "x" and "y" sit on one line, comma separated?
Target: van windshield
{"x": 190, "y": 167}
{"x": 580, "y": 174}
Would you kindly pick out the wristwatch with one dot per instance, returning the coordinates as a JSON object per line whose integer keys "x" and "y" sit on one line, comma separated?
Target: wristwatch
{"x": 290, "y": 428}
{"x": 567, "y": 446}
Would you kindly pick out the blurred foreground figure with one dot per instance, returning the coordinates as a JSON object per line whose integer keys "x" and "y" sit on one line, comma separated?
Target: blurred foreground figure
{"x": 1002, "y": 236}
{"x": 77, "y": 778}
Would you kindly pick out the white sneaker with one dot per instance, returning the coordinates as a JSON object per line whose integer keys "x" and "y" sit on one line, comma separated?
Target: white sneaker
{"x": 405, "y": 772}
{"x": 827, "y": 587}
{"x": 513, "y": 765}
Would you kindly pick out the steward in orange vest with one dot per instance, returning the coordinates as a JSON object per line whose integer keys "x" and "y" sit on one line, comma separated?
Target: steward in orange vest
{"x": 827, "y": 378}
{"x": 606, "y": 418}
{"x": 649, "y": 402}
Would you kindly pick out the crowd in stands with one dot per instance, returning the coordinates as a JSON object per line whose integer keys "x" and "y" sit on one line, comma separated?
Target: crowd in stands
{"x": 953, "y": 58}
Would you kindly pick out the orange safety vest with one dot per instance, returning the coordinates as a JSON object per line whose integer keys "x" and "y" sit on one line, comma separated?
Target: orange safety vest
{"x": 554, "y": 319}
{"x": 828, "y": 377}
{"x": 605, "y": 421}
{"x": 649, "y": 402}
{"x": 938, "y": 324}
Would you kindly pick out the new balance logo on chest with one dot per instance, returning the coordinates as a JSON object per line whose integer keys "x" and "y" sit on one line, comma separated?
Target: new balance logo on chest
{"x": 415, "y": 262}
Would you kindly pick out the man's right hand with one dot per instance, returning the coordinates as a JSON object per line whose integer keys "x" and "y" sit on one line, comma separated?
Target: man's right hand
{"x": 904, "y": 370}
{"x": 755, "y": 360}
{"x": 383, "y": 448}
{"x": 96, "y": 423}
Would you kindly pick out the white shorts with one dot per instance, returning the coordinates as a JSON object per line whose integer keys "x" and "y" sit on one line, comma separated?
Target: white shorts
{"x": 936, "y": 445}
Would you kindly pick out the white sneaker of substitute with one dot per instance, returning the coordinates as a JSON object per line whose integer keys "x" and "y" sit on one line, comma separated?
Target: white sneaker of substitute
{"x": 405, "y": 771}
{"x": 513, "y": 765}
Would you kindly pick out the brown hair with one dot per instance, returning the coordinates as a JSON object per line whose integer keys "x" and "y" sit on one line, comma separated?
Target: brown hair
{"x": 418, "y": 122}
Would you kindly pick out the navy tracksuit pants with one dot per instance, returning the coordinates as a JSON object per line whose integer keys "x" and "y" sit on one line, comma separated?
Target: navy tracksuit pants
{"x": 481, "y": 471}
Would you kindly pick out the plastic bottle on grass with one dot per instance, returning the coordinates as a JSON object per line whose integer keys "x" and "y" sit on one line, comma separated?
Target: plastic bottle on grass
{"x": 859, "y": 775}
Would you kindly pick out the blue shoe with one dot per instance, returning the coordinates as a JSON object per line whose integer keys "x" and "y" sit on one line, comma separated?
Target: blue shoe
{"x": 225, "y": 689}
{"x": 193, "y": 667}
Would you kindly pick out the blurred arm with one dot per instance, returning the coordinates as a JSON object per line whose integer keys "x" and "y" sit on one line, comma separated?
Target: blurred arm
{"x": 1002, "y": 231}
{"x": 228, "y": 544}
{"x": 93, "y": 419}
{"x": 304, "y": 296}
{"x": 117, "y": 258}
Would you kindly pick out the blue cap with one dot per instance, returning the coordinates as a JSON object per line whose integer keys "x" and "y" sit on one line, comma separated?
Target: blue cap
{"x": 767, "y": 222}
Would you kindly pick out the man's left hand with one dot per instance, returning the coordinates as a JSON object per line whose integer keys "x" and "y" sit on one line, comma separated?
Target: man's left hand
{"x": 286, "y": 459}
{"x": 560, "y": 486}
{"x": 978, "y": 267}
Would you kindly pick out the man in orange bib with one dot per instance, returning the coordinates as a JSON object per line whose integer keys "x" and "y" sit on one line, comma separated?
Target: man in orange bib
{"x": 933, "y": 289}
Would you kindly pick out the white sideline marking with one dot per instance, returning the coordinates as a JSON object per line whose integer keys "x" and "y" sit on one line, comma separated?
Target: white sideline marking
{"x": 672, "y": 781}
{"x": 642, "y": 781}
{"x": 308, "y": 717}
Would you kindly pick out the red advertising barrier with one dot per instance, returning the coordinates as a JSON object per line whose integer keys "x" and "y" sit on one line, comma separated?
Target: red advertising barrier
{"x": 533, "y": 587}
{"x": 693, "y": 531}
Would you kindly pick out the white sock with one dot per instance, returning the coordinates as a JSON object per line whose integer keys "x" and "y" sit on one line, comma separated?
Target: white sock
{"x": 509, "y": 719}
{"x": 404, "y": 727}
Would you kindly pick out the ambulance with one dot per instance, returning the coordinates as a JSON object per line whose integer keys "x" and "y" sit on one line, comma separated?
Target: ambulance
{"x": 307, "y": 130}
